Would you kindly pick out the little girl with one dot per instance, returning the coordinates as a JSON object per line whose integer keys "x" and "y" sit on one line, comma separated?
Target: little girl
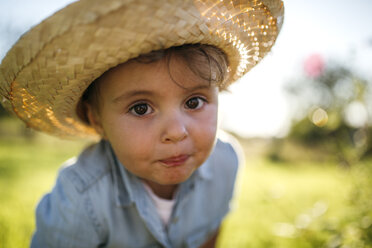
{"x": 144, "y": 77}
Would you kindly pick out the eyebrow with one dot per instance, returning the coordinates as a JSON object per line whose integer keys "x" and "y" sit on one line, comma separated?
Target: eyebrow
{"x": 198, "y": 87}
{"x": 134, "y": 93}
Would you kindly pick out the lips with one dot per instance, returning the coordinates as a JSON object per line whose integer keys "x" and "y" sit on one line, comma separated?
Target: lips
{"x": 175, "y": 161}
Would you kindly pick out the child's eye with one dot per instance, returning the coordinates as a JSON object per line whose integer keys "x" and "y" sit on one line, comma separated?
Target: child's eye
{"x": 140, "y": 109}
{"x": 195, "y": 103}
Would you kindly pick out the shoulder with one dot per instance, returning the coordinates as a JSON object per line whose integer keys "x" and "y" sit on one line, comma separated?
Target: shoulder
{"x": 227, "y": 153}
{"x": 213, "y": 195}
{"x": 88, "y": 168}
{"x": 67, "y": 215}
{"x": 223, "y": 164}
{"x": 70, "y": 213}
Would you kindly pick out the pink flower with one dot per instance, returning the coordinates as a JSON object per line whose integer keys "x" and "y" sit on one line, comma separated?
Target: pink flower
{"x": 314, "y": 65}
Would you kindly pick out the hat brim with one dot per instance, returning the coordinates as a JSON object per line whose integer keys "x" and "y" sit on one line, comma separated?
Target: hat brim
{"x": 45, "y": 73}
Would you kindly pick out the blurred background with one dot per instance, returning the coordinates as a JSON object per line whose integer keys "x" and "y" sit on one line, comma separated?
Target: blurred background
{"x": 303, "y": 116}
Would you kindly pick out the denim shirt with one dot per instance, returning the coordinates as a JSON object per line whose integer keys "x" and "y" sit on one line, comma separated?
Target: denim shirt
{"x": 96, "y": 202}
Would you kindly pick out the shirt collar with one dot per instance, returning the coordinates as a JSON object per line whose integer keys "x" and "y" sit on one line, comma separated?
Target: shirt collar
{"x": 121, "y": 182}
{"x": 205, "y": 170}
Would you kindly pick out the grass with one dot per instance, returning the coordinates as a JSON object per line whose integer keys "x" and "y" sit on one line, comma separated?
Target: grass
{"x": 284, "y": 205}
{"x": 278, "y": 203}
{"x": 28, "y": 168}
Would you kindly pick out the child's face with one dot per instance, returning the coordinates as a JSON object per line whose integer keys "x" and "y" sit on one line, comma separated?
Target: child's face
{"x": 160, "y": 131}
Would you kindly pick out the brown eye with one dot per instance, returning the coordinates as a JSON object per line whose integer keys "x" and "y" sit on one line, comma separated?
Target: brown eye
{"x": 140, "y": 109}
{"x": 195, "y": 103}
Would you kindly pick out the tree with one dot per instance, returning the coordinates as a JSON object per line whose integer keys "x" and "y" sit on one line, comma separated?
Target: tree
{"x": 332, "y": 108}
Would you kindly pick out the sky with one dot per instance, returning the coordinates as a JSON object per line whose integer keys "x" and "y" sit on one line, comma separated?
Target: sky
{"x": 336, "y": 29}
{"x": 256, "y": 105}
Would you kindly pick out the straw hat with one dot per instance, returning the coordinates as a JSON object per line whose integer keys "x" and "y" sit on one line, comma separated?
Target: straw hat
{"x": 45, "y": 73}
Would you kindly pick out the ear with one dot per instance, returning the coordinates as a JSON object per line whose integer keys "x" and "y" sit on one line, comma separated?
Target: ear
{"x": 94, "y": 119}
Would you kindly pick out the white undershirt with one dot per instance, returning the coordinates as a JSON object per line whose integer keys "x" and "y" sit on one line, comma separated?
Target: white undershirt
{"x": 163, "y": 206}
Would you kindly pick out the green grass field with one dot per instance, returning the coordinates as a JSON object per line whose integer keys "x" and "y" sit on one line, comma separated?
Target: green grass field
{"x": 286, "y": 205}
{"x": 27, "y": 171}
{"x": 277, "y": 204}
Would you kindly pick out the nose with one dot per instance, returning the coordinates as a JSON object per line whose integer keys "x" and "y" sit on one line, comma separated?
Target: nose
{"x": 175, "y": 129}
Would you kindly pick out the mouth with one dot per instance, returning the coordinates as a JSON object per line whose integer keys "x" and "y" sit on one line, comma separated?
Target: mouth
{"x": 175, "y": 161}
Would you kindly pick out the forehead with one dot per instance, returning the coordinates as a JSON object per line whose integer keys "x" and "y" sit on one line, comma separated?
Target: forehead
{"x": 153, "y": 76}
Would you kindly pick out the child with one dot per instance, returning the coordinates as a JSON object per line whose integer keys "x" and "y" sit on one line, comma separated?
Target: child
{"x": 144, "y": 76}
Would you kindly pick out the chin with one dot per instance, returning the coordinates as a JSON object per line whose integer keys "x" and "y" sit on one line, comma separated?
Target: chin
{"x": 172, "y": 180}
{"x": 167, "y": 182}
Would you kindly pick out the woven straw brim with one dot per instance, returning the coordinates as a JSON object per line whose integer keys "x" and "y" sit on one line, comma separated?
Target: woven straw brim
{"x": 45, "y": 73}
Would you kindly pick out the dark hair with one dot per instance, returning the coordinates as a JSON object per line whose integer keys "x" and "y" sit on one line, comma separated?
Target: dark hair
{"x": 205, "y": 61}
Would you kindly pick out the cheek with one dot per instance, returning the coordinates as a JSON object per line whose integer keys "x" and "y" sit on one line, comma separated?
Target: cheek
{"x": 206, "y": 128}
{"x": 131, "y": 141}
